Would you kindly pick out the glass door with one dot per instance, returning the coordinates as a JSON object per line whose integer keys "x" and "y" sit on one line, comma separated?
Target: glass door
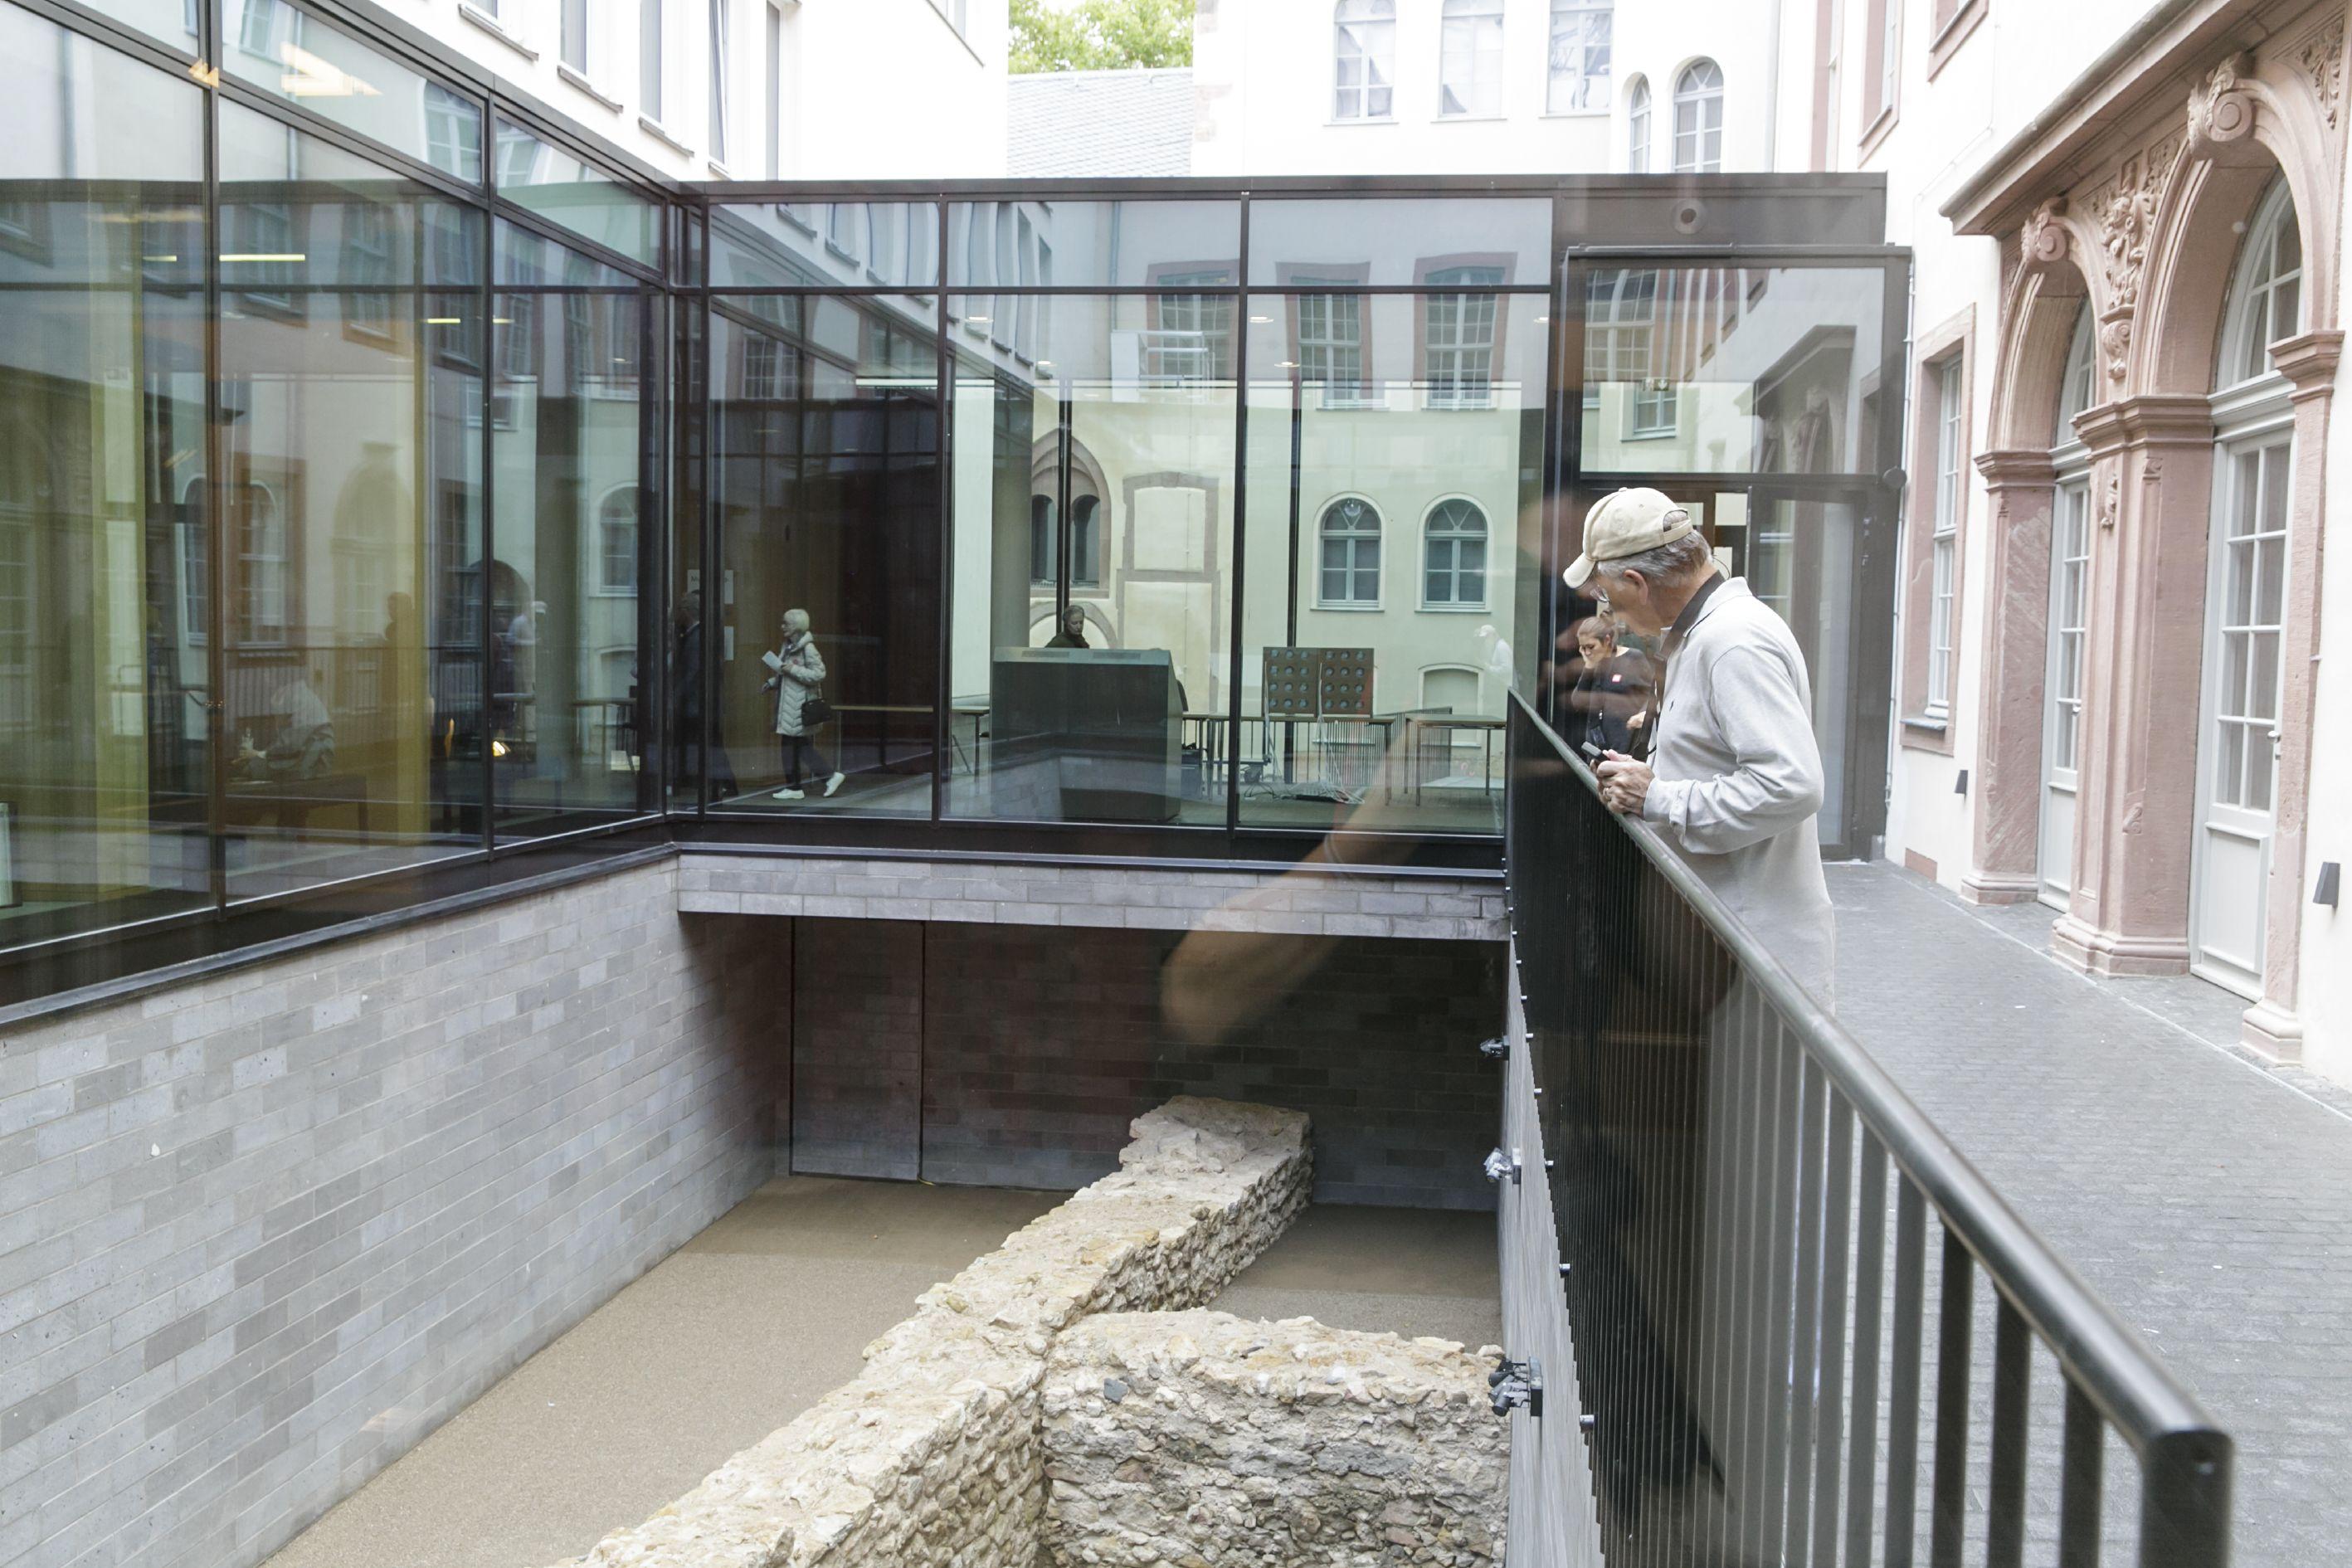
{"x": 2070, "y": 573}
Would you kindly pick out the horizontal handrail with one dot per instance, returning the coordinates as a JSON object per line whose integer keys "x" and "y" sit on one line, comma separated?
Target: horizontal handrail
{"x": 2113, "y": 1365}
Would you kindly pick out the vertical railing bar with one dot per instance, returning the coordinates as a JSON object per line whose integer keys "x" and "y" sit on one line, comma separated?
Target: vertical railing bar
{"x": 1870, "y": 1254}
{"x": 1948, "y": 1500}
{"x": 1829, "y": 1425}
{"x": 1748, "y": 1216}
{"x": 1731, "y": 1061}
{"x": 1779, "y": 1325}
{"x": 1802, "y": 1408}
{"x": 2005, "y": 1503}
{"x": 2082, "y": 1475}
{"x": 1903, "y": 1375}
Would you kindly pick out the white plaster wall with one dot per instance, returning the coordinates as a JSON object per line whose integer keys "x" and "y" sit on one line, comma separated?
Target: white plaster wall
{"x": 869, "y": 86}
{"x": 1263, "y": 74}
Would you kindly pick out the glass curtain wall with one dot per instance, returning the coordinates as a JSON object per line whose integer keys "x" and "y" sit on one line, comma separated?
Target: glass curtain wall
{"x": 315, "y": 518}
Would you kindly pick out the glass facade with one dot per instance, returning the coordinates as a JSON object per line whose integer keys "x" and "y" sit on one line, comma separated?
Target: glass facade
{"x": 391, "y": 479}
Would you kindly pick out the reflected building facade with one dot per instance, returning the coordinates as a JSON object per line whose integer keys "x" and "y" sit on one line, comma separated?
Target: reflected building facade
{"x": 405, "y": 491}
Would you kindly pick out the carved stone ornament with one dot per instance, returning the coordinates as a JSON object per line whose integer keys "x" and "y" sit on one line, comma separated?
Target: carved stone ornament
{"x": 2126, "y": 215}
{"x": 2220, "y": 107}
{"x": 2322, "y": 59}
{"x": 2111, "y": 503}
{"x": 2045, "y": 238}
{"x": 2114, "y": 344}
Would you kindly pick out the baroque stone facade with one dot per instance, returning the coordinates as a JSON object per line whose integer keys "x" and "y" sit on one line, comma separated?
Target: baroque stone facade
{"x": 1199, "y": 1438}
{"x": 932, "y": 1456}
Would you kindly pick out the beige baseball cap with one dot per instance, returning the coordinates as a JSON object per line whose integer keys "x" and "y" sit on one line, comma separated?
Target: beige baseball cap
{"x": 1626, "y": 522}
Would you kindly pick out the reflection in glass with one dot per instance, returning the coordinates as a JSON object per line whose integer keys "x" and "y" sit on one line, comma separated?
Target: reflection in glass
{"x": 854, "y": 245}
{"x": 298, "y": 56}
{"x": 825, "y": 438}
{"x": 1388, "y": 240}
{"x": 103, "y": 601}
{"x": 1020, "y": 244}
{"x": 1386, "y": 485}
{"x": 1093, "y": 506}
{"x": 350, "y": 362}
{"x": 1731, "y": 370}
{"x": 566, "y": 189}
{"x": 565, "y": 724}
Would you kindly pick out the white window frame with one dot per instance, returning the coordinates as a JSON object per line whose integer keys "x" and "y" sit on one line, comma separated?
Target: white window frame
{"x": 1362, "y": 552}
{"x": 1699, "y": 119}
{"x": 1363, "y": 34}
{"x": 1470, "y": 59}
{"x": 1637, "y": 126}
{"x": 719, "y": 23}
{"x": 653, "y": 25}
{"x": 1332, "y": 346}
{"x": 2265, "y": 301}
{"x": 1577, "y": 58}
{"x": 1452, "y": 540}
{"x": 576, "y": 26}
{"x": 1458, "y": 358}
{"x": 1944, "y": 540}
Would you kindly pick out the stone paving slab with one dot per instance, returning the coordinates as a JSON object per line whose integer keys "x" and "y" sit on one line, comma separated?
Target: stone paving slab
{"x": 2207, "y": 1195}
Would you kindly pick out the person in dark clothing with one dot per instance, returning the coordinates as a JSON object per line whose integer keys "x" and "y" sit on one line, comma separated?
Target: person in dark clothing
{"x": 1074, "y": 630}
{"x": 1613, "y": 689}
{"x": 687, "y": 739}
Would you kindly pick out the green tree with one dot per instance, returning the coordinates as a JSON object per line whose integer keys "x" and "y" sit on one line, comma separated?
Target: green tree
{"x": 1100, "y": 34}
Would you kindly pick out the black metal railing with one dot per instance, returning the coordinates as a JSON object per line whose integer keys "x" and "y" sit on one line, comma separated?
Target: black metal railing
{"x": 1776, "y": 1266}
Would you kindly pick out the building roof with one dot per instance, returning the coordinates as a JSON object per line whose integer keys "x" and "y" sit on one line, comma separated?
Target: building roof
{"x": 1100, "y": 123}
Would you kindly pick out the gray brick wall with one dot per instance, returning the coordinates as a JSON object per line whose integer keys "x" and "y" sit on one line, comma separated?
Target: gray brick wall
{"x": 1298, "y": 900}
{"x": 857, "y": 1045}
{"x": 259, "y": 1234}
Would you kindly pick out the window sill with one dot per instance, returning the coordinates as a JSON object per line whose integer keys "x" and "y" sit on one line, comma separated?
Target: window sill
{"x": 1928, "y": 732}
{"x": 717, "y": 170}
{"x": 1573, "y": 114}
{"x": 1955, "y": 32}
{"x": 1650, "y": 435}
{"x": 579, "y": 83}
{"x": 1457, "y": 609}
{"x": 497, "y": 29}
{"x": 1466, "y": 119}
{"x": 1349, "y": 609}
{"x": 660, "y": 133}
{"x": 1876, "y": 133}
{"x": 1365, "y": 120}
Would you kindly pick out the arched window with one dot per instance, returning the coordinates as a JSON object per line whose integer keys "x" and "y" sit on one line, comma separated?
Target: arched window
{"x": 2266, "y": 296}
{"x": 1086, "y": 560}
{"x": 1470, "y": 58}
{"x": 616, "y": 541}
{"x": 2077, "y": 389}
{"x": 1579, "y": 55}
{"x": 1041, "y": 538}
{"x": 1637, "y": 127}
{"x": 1350, "y": 534}
{"x": 1699, "y": 119}
{"x": 1363, "y": 49}
{"x": 1453, "y": 556}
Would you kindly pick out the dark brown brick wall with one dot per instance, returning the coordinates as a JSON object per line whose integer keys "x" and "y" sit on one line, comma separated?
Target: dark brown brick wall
{"x": 854, "y": 989}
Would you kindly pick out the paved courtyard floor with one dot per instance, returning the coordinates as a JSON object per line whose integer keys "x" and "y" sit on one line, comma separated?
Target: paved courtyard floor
{"x": 2207, "y": 1196}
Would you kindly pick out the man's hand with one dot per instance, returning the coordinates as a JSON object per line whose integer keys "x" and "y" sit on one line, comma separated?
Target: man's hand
{"x": 1624, "y": 783}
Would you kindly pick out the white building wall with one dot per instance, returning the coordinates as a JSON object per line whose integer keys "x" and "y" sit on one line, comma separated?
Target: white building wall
{"x": 837, "y": 65}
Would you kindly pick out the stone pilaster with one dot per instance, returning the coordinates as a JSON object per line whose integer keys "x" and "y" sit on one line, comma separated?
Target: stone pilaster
{"x": 2020, "y": 490}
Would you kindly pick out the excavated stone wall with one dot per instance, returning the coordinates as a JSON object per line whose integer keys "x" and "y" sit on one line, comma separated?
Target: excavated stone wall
{"x": 932, "y": 1457}
{"x": 1193, "y": 1440}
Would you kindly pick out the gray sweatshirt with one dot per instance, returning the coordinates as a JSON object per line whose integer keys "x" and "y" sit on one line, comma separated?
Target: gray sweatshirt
{"x": 1738, "y": 782}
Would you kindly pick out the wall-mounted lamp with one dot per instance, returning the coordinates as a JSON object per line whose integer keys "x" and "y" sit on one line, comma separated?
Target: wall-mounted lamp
{"x": 1961, "y": 784}
{"x": 2324, "y": 891}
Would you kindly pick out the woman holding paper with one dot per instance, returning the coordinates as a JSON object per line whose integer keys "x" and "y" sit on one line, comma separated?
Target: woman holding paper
{"x": 796, "y": 673}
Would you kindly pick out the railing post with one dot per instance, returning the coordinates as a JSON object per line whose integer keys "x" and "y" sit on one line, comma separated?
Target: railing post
{"x": 2184, "y": 1501}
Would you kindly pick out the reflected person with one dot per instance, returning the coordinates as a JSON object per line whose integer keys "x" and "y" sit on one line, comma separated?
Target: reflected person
{"x": 799, "y": 672}
{"x": 1610, "y": 692}
{"x": 1072, "y": 629}
{"x": 1733, "y": 781}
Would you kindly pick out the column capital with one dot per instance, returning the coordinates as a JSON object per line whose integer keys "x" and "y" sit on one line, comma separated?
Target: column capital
{"x": 2147, "y": 419}
{"x": 2309, "y": 359}
{"x": 2016, "y": 467}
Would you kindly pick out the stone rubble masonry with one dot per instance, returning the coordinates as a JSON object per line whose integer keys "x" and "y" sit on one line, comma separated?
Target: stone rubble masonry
{"x": 262, "y": 1231}
{"x": 1286, "y": 901}
{"x": 932, "y": 1455}
{"x": 1194, "y": 1439}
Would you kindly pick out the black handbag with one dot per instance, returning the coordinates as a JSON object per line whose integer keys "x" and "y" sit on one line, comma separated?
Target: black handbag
{"x": 815, "y": 711}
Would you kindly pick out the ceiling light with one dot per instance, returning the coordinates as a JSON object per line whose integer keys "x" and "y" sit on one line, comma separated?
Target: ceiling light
{"x": 977, "y": 320}
{"x": 265, "y": 255}
{"x": 441, "y": 321}
{"x": 1260, "y": 320}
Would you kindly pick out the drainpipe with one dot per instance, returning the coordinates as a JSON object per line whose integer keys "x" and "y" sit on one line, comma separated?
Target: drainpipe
{"x": 1772, "y": 90}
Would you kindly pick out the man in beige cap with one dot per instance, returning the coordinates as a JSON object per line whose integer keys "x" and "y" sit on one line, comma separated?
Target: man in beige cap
{"x": 1734, "y": 779}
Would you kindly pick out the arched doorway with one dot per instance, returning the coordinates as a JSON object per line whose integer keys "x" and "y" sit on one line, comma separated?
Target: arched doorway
{"x": 2237, "y": 732}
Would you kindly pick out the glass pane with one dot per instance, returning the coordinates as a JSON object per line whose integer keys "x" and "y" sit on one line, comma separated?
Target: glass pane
{"x": 2235, "y": 659}
{"x": 2239, "y": 602}
{"x": 104, "y": 543}
{"x": 172, "y": 23}
{"x": 1092, "y": 244}
{"x": 2262, "y": 702}
{"x": 1399, "y": 240}
{"x": 567, "y": 190}
{"x": 825, "y": 453}
{"x": 313, "y": 63}
{"x": 2259, "y": 766}
{"x": 351, "y": 542}
{"x": 1440, "y": 426}
{"x": 1113, "y": 714}
{"x": 527, "y": 260}
{"x": 2246, "y": 500}
{"x": 1764, "y": 369}
{"x": 2270, "y": 557}
{"x": 2229, "y": 765}
{"x": 564, "y": 718}
{"x": 859, "y": 245}
{"x": 2276, "y": 488}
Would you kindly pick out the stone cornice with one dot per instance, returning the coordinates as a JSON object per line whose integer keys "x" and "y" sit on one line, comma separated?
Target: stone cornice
{"x": 2016, "y": 467}
{"x": 2149, "y": 419}
{"x": 2309, "y": 359}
